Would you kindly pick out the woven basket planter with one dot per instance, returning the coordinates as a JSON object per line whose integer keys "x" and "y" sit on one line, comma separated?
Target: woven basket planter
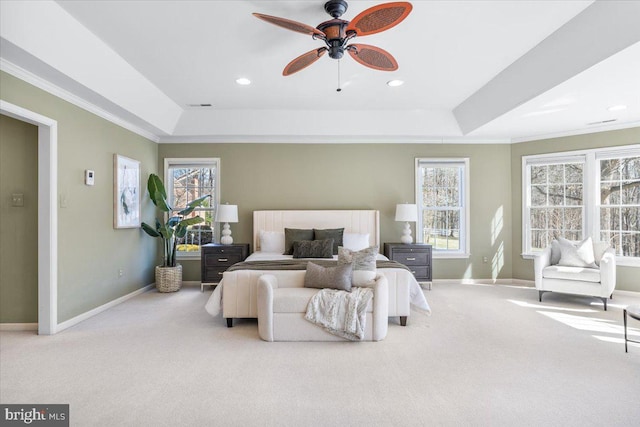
{"x": 168, "y": 279}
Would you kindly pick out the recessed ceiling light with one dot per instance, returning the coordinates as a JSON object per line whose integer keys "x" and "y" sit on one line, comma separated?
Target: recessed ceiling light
{"x": 617, "y": 108}
{"x": 243, "y": 81}
{"x": 543, "y": 112}
{"x": 395, "y": 83}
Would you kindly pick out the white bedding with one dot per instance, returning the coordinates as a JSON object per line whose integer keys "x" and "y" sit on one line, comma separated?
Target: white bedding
{"x": 214, "y": 304}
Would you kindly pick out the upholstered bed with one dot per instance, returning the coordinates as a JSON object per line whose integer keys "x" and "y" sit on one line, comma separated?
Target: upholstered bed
{"x": 236, "y": 295}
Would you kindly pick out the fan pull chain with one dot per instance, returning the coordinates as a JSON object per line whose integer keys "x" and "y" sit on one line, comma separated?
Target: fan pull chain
{"x": 339, "y": 88}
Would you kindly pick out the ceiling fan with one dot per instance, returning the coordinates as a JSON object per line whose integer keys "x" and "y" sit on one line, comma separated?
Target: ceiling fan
{"x": 336, "y": 33}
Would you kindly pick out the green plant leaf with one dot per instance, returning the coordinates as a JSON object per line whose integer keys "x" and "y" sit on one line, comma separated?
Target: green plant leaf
{"x": 157, "y": 193}
{"x": 150, "y": 230}
{"x": 194, "y": 204}
{"x": 181, "y": 231}
{"x": 190, "y": 221}
{"x": 166, "y": 232}
{"x": 154, "y": 185}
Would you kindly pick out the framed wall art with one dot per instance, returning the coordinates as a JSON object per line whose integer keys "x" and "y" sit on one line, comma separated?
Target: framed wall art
{"x": 126, "y": 192}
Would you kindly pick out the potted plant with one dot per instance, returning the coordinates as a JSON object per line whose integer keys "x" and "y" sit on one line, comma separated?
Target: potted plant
{"x": 169, "y": 275}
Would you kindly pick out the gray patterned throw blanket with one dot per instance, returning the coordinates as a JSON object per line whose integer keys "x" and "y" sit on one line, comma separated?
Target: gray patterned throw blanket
{"x": 339, "y": 312}
{"x": 301, "y": 264}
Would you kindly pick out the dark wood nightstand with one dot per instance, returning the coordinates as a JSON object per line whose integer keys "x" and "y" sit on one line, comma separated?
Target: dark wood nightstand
{"x": 416, "y": 256}
{"x": 216, "y": 258}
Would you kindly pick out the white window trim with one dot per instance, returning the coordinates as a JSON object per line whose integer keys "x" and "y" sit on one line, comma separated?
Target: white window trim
{"x": 551, "y": 158}
{"x": 591, "y": 224}
{"x": 204, "y": 161}
{"x": 465, "y": 221}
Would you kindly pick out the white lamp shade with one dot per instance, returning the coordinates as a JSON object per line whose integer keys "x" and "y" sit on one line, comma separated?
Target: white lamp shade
{"x": 406, "y": 212}
{"x": 227, "y": 213}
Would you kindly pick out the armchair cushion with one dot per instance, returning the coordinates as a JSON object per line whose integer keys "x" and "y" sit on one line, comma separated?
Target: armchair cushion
{"x": 572, "y": 273}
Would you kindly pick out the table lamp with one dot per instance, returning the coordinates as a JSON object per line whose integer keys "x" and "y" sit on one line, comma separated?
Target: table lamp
{"x": 227, "y": 213}
{"x": 408, "y": 213}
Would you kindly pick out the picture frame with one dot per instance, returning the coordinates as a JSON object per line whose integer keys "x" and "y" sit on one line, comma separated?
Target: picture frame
{"x": 126, "y": 192}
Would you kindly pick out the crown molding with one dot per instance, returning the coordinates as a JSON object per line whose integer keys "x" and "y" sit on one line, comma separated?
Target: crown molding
{"x": 324, "y": 139}
{"x": 57, "y": 91}
{"x": 583, "y": 131}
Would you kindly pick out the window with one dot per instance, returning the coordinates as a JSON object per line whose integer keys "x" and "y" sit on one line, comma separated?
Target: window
{"x": 619, "y": 207}
{"x": 442, "y": 197}
{"x": 580, "y": 194}
{"x": 187, "y": 180}
{"x": 555, "y": 201}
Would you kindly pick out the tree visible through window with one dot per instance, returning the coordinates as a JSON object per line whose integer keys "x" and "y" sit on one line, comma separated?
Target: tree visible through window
{"x": 556, "y": 202}
{"x": 590, "y": 193}
{"x": 189, "y": 179}
{"x": 620, "y": 204}
{"x": 442, "y": 204}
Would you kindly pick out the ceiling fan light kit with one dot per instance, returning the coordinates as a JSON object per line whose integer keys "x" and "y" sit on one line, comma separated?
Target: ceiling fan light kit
{"x": 336, "y": 33}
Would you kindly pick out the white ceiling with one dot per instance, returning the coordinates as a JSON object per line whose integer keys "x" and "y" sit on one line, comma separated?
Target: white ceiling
{"x": 474, "y": 71}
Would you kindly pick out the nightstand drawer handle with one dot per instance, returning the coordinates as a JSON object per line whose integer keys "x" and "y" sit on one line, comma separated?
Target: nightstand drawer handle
{"x": 223, "y": 259}
{"x": 411, "y": 259}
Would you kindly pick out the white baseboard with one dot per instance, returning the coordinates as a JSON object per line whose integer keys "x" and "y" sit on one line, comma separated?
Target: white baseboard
{"x": 18, "y": 327}
{"x": 509, "y": 282}
{"x": 84, "y": 316}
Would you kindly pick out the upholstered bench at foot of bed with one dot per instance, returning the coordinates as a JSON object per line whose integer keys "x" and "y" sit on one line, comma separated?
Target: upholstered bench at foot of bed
{"x": 281, "y": 313}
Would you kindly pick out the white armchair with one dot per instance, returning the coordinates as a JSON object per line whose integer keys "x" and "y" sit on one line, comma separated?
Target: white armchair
{"x": 597, "y": 279}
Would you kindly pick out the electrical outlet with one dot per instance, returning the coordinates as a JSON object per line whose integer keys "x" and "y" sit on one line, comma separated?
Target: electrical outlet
{"x": 120, "y": 273}
{"x": 485, "y": 259}
{"x": 17, "y": 200}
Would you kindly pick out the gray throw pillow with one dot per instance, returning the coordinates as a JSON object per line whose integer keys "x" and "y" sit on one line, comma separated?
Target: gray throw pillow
{"x": 313, "y": 248}
{"x": 293, "y": 235}
{"x": 328, "y": 277}
{"x": 364, "y": 264}
{"x": 331, "y": 233}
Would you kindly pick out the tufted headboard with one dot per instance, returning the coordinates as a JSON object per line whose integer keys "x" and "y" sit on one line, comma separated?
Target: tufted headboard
{"x": 353, "y": 221}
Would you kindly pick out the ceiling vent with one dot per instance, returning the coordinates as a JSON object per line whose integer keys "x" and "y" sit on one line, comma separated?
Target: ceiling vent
{"x": 602, "y": 122}
{"x": 205, "y": 105}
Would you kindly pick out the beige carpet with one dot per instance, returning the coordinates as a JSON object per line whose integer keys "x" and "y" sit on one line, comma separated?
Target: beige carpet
{"x": 489, "y": 355}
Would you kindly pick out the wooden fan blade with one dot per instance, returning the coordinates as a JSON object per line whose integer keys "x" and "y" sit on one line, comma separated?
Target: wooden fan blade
{"x": 379, "y": 18}
{"x": 372, "y": 57}
{"x": 291, "y": 25}
{"x": 303, "y": 61}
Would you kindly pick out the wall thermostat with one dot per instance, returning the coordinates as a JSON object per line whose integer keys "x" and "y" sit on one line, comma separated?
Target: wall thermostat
{"x": 89, "y": 177}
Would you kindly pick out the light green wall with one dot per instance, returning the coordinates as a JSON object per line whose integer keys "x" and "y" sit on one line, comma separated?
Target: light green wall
{"x": 361, "y": 176}
{"x": 627, "y": 277}
{"x": 266, "y": 176}
{"x": 90, "y": 250}
{"x": 18, "y": 225}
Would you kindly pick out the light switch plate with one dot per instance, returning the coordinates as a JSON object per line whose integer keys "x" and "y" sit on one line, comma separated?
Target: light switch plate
{"x": 89, "y": 177}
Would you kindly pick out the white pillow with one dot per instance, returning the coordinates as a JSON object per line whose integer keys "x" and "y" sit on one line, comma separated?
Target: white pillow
{"x": 555, "y": 252}
{"x": 272, "y": 241}
{"x": 355, "y": 241}
{"x": 577, "y": 254}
